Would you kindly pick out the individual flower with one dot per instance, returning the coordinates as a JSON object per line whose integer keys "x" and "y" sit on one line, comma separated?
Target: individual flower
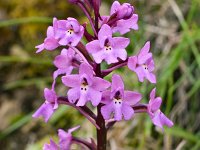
{"x": 65, "y": 140}
{"x": 69, "y": 32}
{"x": 50, "y": 42}
{"x": 122, "y": 18}
{"x": 124, "y": 11}
{"x": 85, "y": 86}
{"x": 108, "y": 48}
{"x": 118, "y": 101}
{"x": 143, "y": 64}
{"x": 127, "y": 19}
{"x": 48, "y": 107}
{"x": 64, "y": 63}
{"x": 51, "y": 146}
{"x": 157, "y": 117}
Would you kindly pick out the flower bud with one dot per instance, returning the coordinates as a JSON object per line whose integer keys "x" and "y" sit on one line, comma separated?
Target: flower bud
{"x": 125, "y": 11}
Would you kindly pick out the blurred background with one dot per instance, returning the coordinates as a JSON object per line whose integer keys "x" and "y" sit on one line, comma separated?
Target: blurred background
{"x": 173, "y": 27}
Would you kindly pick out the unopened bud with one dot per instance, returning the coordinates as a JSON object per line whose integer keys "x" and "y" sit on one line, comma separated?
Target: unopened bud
{"x": 125, "y": 11}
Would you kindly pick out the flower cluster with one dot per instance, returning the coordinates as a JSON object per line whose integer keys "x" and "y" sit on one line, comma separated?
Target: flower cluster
{"x": 86, "y": 83}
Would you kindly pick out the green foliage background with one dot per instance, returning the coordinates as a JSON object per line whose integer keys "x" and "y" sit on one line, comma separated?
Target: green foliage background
{"x": 171, "y": 26}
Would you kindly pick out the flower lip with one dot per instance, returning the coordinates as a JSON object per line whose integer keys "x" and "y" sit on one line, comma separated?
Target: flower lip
{"x": 84, "y": 84}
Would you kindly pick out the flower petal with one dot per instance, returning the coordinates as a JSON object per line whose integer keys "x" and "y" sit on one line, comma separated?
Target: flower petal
{"x": 121, "y": 53}
{"x": 99, "y": 56}
{"x": 51, "y": 146}
{"x": 86, "y": 69}
{"x": 118, "y": 112}
{"x": 106, "y": 110}
{"x": 115, "y": 6}
{"x": 105, "y": 31}
{"x": 50, "y": 95}
{"x": 100, "y": 84}
{"x": 120, "y": 42}
{"x": 111, "y": 58}
{"x": 74, "y": 23}
{"x": 156, "y": 121}
{"x": 71, "y": 80}
{"x": 151, "y": 77}
{"x": 64, "y": 139}
{"x": 50, "y": 31}
{"x": 150, "y": 64}
{"x": 45, "y": 110}
{"x": 144, "y": 54}
{"x": 127, "y": 111}
{"x": 64, "y": 40}
{"x": 160, "y": 120}
{"x": 75, "y": 39}
{"x": 155, "y": 104}
{"x": 153, "y": 94}
{"x": 50, "y": 43}
{"x": 134, "y": 20}
{"x": 82, "y": 100}
{"x": 117, "y": 82}
{"x": 132, "y": 98}
{"x": 166, "y": 121}
{"x": 93, "y": 47}
{"x": 94, "y": 96}
{"x": 40, "y": 48}
{"x": 62, "y": 62}
{"x": 140, "y": 73}
{"x": 66, "y": 71}
{"x": 73, "y": 94}
{"x": 106, "y": 97}
{"x": 132, "y": 62}
{"x": 73, "y": 129}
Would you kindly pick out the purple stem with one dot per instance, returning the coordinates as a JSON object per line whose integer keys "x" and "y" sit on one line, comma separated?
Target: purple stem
{"x": 91, "y": 146}
{"x": 83, "y": 50}
{"x": 64, "y": 100}
{"x": 102, "y": 132}
{"x": 87, "y": 35}
{"x": 96, "y": 13}
{"x": 115, "y": 66}
{"x": 81, "y": 5}
{"x": 80, "y": 54}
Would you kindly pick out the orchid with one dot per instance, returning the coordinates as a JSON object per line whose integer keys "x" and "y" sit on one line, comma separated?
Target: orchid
{"x": 64, "y": 63}
{"x": 143, "y": 64}
{"x": 119, "y": 101}
{"x": 157, "y": 117}
{"x": 80, "y": 65}
{"x": 65, "y": 140}
{"x": 69, "y": 32}
{"x": 108, "y": 48}
{"x": 122, "y": 18}
{"x": 47, "y": 109}
{"x": 50, "y": 42}
{"x": 51, "y": 146}
{"x": 85, "y": 86}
